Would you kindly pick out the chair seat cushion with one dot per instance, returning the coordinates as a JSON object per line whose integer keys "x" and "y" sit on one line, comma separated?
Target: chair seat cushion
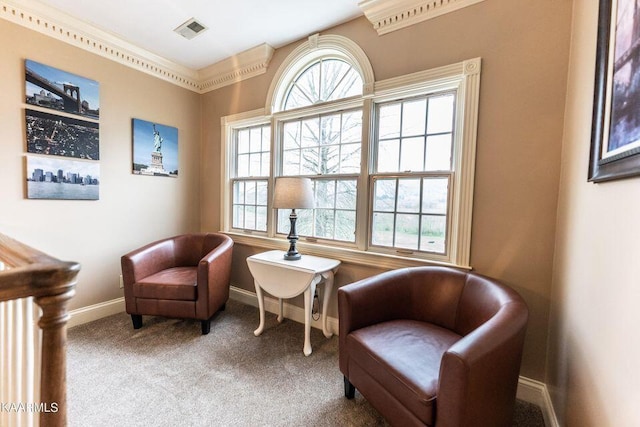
{"x": 178, "y": 283}
{"x": 404, "y": 357}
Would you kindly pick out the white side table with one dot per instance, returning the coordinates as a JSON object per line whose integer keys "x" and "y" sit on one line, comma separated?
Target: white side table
{"x": 287, "y": 279}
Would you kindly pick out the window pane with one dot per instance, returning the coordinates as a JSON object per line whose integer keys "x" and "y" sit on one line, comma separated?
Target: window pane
{"x": 440, "y": 114}
{"x": 384, "y": 195}
{"x": 346, "y": 195}
{"x": 389, "y": 121}
{"x": 250, "y": 193}
{"x": 266, "y": 138}
{"x": 250, "y": 217}
{"x": 382, "y": 229}
{"x": 265, "y": 164}
{"x": 296, "y": 98}
{"x": 414, "y": 114}
{"x": 435, "y": 195}
{"x": 238, "y": 216}
{"x": 330, "y": 129}
{"x": 433, "y": 233}
{"x": 346, "y": 226}
{"x": 325, "y": 194}
{"x": 291, "y": 162}
{"x": 412, "y": 153}
{"x": 304, "y": 224}
{"x": 291, "y": 137}
{"x": 310, "y": 163}
{"x": 324, "y": 223}
{"x": 351, "y": 85}
{"x": 388, "y": 156}
{"x": 407, "y": 231}
{"x": 238, "y": 192}
{"x": 261, "y": 193}
{"x": 329, "y": 161}
{"x": 438, "y": 153}
{"x": 350, "y": 158}
{"x": 255, "y": 163}
{"x": 243, "y": 141}
{"x": 261, "y": 218}
{"x": 243, "y": 165}
{"x": 255, "y": 139}
{"x": 409, "y": 195}
{"x": 352, "y": 126}
{"x": 309, "y": 83}
{"x": 311, "y": 132}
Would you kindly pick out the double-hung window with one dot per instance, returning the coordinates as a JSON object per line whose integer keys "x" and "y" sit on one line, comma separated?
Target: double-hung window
{"x": 391, "y": 162}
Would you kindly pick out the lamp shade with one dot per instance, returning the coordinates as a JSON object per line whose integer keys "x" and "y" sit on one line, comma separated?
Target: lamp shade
{"x": 293, "y": 193}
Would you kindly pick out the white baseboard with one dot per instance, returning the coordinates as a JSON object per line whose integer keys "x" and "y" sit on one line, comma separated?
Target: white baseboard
{"x": 95, "y": 312}
{"x": 529, "y": 390}
{"x": 536, "y": 392}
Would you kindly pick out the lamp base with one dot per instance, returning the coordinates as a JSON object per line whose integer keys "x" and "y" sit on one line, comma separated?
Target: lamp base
{"x": 292, "y": 256}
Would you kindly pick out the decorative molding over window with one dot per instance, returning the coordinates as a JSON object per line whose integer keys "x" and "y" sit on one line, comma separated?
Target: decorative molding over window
{"x": 53, "y": 23}
{"x": 391, "y": 15}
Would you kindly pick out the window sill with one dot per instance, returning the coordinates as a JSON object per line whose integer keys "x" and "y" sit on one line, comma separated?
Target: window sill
{"x": 346, "y": 255}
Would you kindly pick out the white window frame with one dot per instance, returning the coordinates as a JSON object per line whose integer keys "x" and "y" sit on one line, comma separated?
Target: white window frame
{"x": 462, "y": 78}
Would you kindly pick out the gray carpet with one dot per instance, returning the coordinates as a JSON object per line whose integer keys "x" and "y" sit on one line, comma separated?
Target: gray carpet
{"x": 168, "y": 374}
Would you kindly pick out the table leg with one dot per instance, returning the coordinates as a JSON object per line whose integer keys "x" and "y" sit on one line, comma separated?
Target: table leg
{"x": 308, "y": 306}
{"x": 280, "y": 315}
{"x": 328, "y": 287}
{"x": 260, "y": 309}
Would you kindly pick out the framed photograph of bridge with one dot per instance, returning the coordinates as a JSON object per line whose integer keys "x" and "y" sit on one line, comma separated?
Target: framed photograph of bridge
{"x": 57, "y": 135}
{"x": 155, "y": 149}
{"x": 60, "y": 90}
{"x": 615, "y": 135}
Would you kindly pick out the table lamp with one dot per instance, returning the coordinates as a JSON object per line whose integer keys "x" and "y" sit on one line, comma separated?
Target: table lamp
{"x": 293, "y": 193}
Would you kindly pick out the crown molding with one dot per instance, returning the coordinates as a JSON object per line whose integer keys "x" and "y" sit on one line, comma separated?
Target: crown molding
{"x": 391, "y": 15}
{"x": 244, "y": 65}
{"x": 58, "y": 25}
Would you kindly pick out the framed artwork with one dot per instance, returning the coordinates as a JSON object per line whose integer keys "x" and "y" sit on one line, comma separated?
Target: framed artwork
{"x": 155, "y": 149}
{"x": 51, "y": 177}
{"x": 59, "y": 90}
{"x": 62, "y": 136}
{"x": 615, "y": 135}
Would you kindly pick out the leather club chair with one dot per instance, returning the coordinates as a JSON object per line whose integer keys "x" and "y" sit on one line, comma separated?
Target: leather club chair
{"x": 185, "y": 276}
{"x": 433, "y": 346}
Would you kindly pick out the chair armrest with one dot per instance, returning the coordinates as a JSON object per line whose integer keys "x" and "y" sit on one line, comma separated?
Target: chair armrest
{"x": 484, "y": 364}
{"x": 367, "y": 302}
{"x": 214, "y": 275}
{"x": 147, "y": 260}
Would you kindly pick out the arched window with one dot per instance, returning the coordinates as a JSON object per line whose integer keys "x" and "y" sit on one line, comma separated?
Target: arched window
{"x": 327, "y": 79}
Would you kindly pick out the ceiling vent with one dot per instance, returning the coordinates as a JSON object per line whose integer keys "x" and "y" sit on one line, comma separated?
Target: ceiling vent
{"x": 190, "y": 29}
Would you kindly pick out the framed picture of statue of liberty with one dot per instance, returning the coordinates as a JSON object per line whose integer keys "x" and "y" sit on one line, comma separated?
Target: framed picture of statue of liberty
{"x": 155, "y": 149}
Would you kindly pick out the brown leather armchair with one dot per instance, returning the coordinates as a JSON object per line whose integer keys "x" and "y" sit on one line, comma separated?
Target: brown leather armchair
{"x": 433, "y": 346}
{"x": 185, "y": 276}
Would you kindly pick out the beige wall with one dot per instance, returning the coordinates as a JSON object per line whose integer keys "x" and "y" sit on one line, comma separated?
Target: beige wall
{"x": 594, "y": 351}
{"x": 524, "y": 49}
{"x": 132, "y": 210}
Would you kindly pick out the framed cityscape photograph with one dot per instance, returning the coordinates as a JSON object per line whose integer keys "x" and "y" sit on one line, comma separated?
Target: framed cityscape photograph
{"x": 155, "y": 149}
{"x": 615, "y": 135}
{"x": 51, "y": 177}
{"x": 50, "y": 87}
{"x": 62, "y": 136}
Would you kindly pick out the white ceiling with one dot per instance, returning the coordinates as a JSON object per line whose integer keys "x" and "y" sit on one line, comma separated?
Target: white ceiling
{"x": 233, "y": 25}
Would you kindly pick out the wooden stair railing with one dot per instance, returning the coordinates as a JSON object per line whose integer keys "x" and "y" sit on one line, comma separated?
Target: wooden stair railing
{"x": 30, "y": 273}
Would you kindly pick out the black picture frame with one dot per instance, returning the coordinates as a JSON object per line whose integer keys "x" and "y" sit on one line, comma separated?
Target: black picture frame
{"x": 625, "y": 164}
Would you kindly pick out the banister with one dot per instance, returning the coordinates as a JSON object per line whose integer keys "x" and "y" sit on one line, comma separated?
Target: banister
{"x": 28, "y": 272}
